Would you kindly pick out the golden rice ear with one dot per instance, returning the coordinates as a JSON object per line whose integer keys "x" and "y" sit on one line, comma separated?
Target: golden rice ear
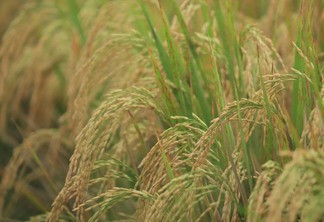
{"x": 258, "y": 207}
{"x": 313, "y": 133}
{"x": 101, "y": 67}
{"x": 33, "y": 162}
{"x": 291, "y": 193}
{"x": 96, "y": 138}
{"x": 32, "y": 50}
{"x": 298, "y": 191}
{"x": 111, "y": 73}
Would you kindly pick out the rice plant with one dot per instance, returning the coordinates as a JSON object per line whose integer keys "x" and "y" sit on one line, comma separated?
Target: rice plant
{"x": 162, "y": 110}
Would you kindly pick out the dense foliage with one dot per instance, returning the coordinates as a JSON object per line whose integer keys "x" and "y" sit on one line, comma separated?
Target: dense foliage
{"x": 162, "y": 110}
